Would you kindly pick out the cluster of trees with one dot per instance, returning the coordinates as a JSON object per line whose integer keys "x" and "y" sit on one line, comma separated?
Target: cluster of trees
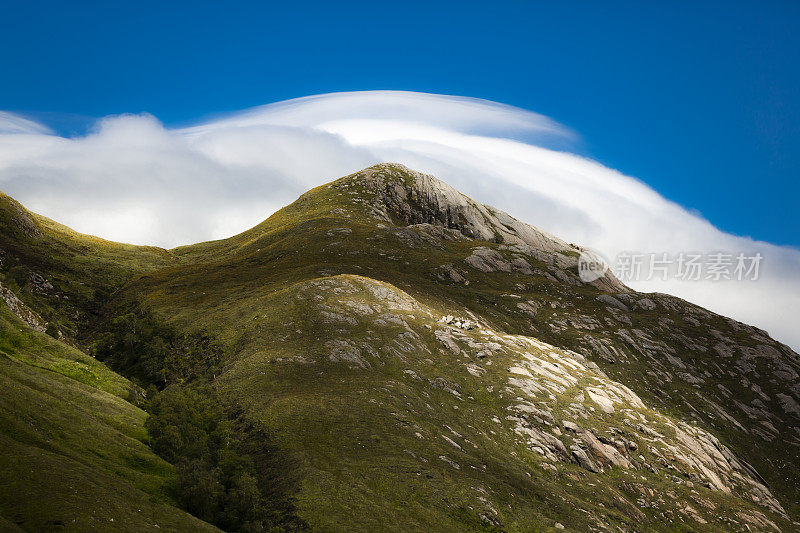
{"x": 154, "y": 353}
{"x": 218, "y": 481}
{"x": 228, "y": 474}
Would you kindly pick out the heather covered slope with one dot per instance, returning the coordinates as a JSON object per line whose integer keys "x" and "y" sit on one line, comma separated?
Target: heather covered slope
{"x": 414, "y": 360}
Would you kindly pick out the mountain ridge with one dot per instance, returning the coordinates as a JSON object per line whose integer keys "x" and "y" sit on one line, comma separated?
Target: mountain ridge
{"x": 341, "y": 300}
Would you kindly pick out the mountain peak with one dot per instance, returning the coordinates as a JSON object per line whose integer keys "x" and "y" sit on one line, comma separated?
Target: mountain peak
{"x": 402, "y": 196}
{"x": 417, "y": 198}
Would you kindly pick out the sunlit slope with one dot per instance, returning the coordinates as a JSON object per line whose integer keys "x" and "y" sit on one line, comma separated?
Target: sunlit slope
{"x": 330, "y": 383}
{"x": 403, "y": 422}
{"x": 72, "y": 452}
{"x": 64, "y": 275}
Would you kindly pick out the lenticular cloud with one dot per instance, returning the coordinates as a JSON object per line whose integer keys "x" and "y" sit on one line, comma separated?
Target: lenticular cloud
{"x": 133, "y": 180}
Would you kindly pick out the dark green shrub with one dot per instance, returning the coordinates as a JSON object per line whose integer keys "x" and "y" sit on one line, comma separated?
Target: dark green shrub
{"x": 199, "y": 490}
{"x": 139, "y": 346}
{"x": 19, "y": 274}
{"x": 52, "y": 330}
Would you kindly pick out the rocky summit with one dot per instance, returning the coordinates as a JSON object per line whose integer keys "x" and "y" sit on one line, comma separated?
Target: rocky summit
{"x": 384, "y": 354}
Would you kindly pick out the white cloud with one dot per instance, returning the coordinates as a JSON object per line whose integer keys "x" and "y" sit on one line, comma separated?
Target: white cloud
{"x": 11, "y": 123}
{"x": 136, "y": 181}
{"x": 449, "y": 112}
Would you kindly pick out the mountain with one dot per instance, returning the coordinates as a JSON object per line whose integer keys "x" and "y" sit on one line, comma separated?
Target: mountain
{"x": 382, "y": 354}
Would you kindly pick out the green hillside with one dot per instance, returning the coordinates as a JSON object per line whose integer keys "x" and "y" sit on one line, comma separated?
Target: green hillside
{"x": 66, "y": 276}
{"x": 387, "y": 354}
{"x": 74, "y": 454}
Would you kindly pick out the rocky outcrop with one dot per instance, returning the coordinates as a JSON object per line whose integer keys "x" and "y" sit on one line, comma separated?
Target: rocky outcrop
{"x": 416, "y": 198}
{"x": 22, "y": 311}
{"x": 557, "y": 403}
{"x": 717, "y": 375}
{"x": 458, "y": 322}
{"x": 422, "y": 201}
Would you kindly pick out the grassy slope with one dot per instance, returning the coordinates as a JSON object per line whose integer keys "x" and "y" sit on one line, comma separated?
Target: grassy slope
{"x": 74, "y": 456}
{"x": 73, "y": 452}
{"x": 349, "y": 428}
{"x": 372, "y": 439}
{"x": 64, "y": 275}
{"x": 228, "y": 287}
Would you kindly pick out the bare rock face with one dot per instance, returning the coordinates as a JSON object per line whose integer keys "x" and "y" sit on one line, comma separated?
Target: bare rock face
{"x": 554, "y": 402}
{"x": 421, "y": 200}
{"x": 417, "y": 198}
{"x": 22, "y": 311}
{"x": 427, "y": 211}
{"x": 610, "y": 300}
{"x": 488, "y": 260}
{"x": 458, "y": 322}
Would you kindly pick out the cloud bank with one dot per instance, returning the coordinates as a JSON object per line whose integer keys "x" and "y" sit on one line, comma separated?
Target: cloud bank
{"x": 133, "y": 180}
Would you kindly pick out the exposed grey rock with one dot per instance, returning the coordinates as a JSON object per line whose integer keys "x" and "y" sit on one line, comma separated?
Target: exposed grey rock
{"x": 610, "y": 300}
{"x": 417, "y": 198}
{"x": 390, "y": 295}
{"x": 529, "y": 307}
{"x": 646, "y": 303}
{"x": 332, "y": 317}
{"x": 583, "y": 459}
{"x": 421, "y": 198}
{"x": 448, "y": 340}
{"x": 789, "y": 404}
{"x": 453, "y": 274}
{"x": 461, "y": 323}
{"x": 450, "y": 462}
{"x": 724, "y": 350}
{"x": 338, "y": 231}
{"x": 571, "y": 426}
{"x": 603, "y": 453}
{"x": 488, "y": 260}
{"x": 22, "y": 311}
{"x": 605, "y": 348}
{"x": 343, "y": 351}
{"x": 433, "y": 233}
{"x": 39, "y": 283}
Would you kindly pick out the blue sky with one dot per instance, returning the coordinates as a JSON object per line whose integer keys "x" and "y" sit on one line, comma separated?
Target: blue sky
{"x": 701, "y": 102}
